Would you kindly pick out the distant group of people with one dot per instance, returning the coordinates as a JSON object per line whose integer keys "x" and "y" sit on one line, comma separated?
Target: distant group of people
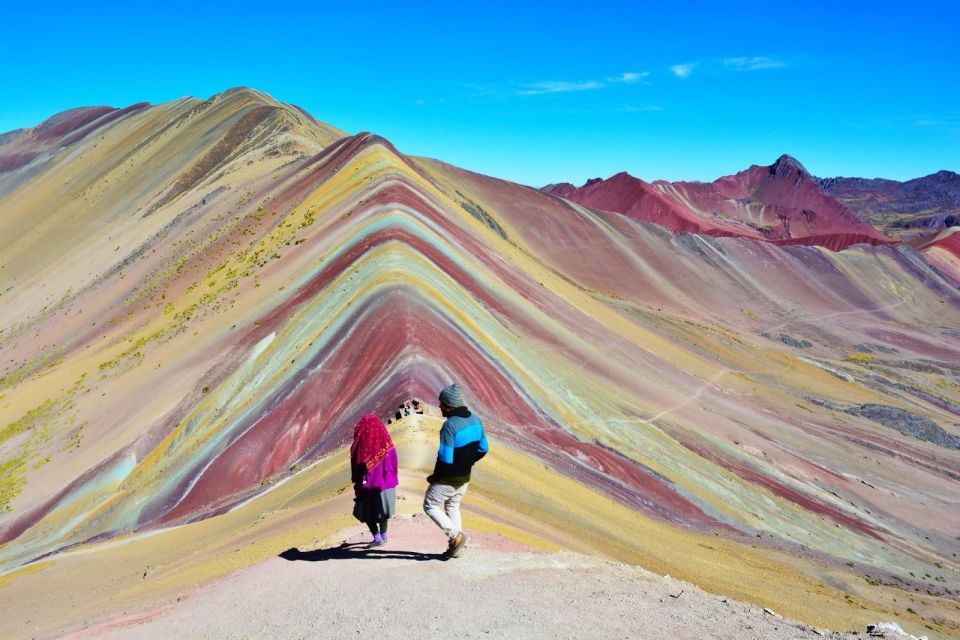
{"x": 373, "y": 467}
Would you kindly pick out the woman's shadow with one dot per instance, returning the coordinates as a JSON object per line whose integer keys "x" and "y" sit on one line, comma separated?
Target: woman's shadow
{"x": 357, "y": 551}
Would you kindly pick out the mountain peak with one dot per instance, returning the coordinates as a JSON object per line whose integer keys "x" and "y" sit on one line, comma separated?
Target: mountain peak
{"x": 788, "y": 165}
{"x": 560, "y": 189}
{"x": 247, "y": 93}
{"x": 944, "y": 174}
{"x": 201, "y": 300}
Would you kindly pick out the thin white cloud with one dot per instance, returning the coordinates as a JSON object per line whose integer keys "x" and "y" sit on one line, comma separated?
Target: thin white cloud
{"x": 752, "y": 63}
{"x": 422, "y": 102}
{"x": 937, "y": 122}
{"x": 486, "y": 90}
{"x": 640, "y": 108}
{"x": 945, "y": 123}
{"x": 554, "y": 86}
{"x": 629, "y": 77}
{"x": 683, "y": 71}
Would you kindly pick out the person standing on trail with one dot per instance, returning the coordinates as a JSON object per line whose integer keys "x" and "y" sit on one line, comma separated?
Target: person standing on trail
{"x": 373, "y": 469}
{"x": 462, "y": 442}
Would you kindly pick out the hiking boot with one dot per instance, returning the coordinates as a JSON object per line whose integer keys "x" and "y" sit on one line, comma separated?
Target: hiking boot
{"x": 378, "y": 541}
{"x": 446, "y": 554}
{"x": 456, "y": 544}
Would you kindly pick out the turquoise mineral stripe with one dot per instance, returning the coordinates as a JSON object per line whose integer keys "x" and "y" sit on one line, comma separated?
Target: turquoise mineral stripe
{"x": 398, "y": 217}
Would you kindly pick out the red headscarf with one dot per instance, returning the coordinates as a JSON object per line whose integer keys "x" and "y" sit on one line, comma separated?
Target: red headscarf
{"x": 371, "y": 442}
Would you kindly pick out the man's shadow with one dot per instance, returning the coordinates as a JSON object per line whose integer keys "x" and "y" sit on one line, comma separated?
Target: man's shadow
{"x": 357, "y": 551}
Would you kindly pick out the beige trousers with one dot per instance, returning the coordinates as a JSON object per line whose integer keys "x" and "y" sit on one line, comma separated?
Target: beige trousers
{"x": 442, "y": 504}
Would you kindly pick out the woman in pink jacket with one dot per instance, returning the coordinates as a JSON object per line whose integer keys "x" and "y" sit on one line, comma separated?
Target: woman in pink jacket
{"x": 373, "y": 466}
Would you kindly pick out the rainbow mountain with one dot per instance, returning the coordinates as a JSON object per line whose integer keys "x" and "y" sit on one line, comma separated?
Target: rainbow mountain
{"x": 199, "y": 299}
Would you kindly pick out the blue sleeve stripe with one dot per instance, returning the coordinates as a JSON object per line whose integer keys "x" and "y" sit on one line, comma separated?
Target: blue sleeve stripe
{"x": 468, "y": 434}
{"x": 445, "y": 454}
{"x": 484, "y": 447}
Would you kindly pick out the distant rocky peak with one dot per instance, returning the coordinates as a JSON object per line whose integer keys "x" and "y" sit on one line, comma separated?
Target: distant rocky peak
{"x": 943, "y": 186}
{"x": 618, "y": 180}
{"x": 561, "y": 189}
{"x": 946, "y": 176}
{"x": 787, "y": 165}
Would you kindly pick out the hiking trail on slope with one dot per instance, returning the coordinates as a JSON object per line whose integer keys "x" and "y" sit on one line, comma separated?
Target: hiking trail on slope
{"x": 497, "y": 588}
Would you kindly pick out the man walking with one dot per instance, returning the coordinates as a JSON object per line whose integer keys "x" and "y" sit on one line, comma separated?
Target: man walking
{"x": 462, "y": 442}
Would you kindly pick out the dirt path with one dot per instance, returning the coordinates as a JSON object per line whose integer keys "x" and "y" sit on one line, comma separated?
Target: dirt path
{"x": 497, "y": 589}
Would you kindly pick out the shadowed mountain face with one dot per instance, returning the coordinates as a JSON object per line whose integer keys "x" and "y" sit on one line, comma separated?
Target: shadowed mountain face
{"x": 918, "y": 206}
{"x": 198, "y": 298}
{"x": 781, "y": 203}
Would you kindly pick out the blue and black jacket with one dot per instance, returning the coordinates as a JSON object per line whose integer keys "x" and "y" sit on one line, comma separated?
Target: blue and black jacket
{"x": 462, "y": 442}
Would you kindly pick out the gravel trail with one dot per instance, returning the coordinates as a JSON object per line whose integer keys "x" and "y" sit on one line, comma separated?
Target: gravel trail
{"x": 497, "y": 589}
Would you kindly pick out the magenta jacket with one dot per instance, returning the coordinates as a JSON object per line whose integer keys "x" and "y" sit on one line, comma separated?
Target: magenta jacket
{"x": 383, "y": 476}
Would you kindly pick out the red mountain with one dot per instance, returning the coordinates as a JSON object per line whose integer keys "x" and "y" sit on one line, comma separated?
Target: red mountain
{"x": 560, "y": 189}
{"x": 780, "y": 203}
{"x": 640, "y": 200}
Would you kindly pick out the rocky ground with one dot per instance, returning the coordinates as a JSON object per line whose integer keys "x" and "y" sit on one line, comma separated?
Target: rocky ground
{"x": 496, "y": 589}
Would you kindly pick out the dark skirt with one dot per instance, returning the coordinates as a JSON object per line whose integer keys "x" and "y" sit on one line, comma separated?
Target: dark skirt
{"x": 371, "y": 505}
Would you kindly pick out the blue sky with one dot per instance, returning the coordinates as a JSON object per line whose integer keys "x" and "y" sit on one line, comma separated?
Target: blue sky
{"x": 534, "y": 93}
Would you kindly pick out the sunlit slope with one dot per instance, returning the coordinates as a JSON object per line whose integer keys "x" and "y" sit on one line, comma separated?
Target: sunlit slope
{"x": 512, "y": 494}
{"x": 202, "y": 333}
{"x": 91, "y": 183}
{"x": 943, "y": 253}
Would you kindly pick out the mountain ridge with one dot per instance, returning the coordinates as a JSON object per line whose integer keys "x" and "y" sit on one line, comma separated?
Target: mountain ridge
{"x": 780, "y": 203}
{"x": 903, "y": 208}
{"x": 175, "y": 363}
{"x": 898, "y": 209}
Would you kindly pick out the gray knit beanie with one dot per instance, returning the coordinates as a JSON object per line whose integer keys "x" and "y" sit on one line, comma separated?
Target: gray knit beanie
{"x": 452, "y": 396}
